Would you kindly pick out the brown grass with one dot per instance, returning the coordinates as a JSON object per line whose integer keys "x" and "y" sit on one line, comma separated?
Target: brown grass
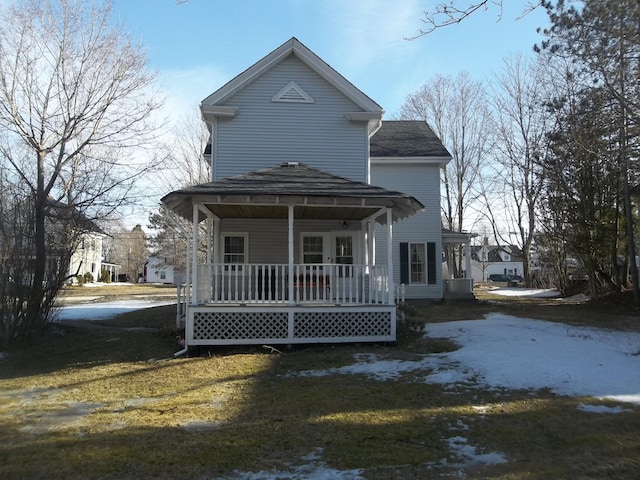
{"x": 108, "y": 402}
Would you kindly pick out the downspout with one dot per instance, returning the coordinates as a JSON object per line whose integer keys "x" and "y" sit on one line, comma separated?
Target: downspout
{"x": 194, "y": 283}
{"x": 186, "y": 295}
{"x": 181, "y": 352}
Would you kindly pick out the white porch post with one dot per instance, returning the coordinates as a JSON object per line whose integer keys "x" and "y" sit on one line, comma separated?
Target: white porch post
{"x": 467, "y": 255}
{"x": 364, "y": 229}
{"x": 209, "y": 239}
{"x": 194, "y": 259}
{"x": 216, "y": 240}
{"x": 392, "y": 284}
{"x": 291, "y": 272}
{"x": 216, "y": 255}
{"x": 188, "y": 280}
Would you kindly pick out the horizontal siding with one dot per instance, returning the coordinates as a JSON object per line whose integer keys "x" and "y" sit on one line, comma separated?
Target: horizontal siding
{"x": 265, "y": 133}
{"x": 268, "y": 239}
{"x": 422, "y": 182}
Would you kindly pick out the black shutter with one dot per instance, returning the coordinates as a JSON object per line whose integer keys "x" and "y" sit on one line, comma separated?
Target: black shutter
{"x": 404, "y": 263}
{"x": 431, "y": 263}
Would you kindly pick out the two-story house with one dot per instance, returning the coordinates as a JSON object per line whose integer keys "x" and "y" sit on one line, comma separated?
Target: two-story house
{"x": 311, "y": 224}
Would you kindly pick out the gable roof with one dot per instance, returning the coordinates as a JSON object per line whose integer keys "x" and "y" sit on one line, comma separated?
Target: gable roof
{"x": 407, "y": 138}
{"x": 291, "y": 47}
{"x": 316, "y": 194}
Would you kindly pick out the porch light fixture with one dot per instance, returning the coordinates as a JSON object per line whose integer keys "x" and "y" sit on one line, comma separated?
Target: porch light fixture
{"x": 345, "y": 224}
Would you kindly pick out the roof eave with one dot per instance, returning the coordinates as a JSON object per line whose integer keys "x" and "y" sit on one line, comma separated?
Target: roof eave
{"x": 441, "y": 160}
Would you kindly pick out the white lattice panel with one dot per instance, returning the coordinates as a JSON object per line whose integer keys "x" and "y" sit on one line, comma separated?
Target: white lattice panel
{"x": 324, "y": 324}
{"x": 244, "y": 325}
{"x": 212, "y": 325}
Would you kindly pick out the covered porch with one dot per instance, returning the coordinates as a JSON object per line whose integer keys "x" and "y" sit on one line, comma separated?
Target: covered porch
{"x": 460, "y": 288}
{"x": 286, "y": 255}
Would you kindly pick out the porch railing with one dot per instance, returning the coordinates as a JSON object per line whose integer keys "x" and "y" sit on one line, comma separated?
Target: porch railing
{"x": 311, "y": 283}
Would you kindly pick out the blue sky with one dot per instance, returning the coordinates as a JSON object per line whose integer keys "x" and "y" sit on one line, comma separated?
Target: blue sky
{"x": 198, "y": 45}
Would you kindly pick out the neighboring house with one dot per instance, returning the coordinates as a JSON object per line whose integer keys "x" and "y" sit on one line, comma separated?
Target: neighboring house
{"x": 304, "y": 210}
{"x": 158, "y": 270}
{"x": 73, "y": 243}
{"x": 492, "y": 259}
{"x": 87, "y": 257}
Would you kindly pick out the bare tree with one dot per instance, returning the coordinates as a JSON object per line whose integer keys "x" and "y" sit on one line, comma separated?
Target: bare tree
{"x": 185, "y": 164}
{"x": 457, "y": 110}
{"x": 519, "y": 99}
{"x": 452, "y": 12}
{"x": 75, "y": 98}
{"x": 183, "y": 155}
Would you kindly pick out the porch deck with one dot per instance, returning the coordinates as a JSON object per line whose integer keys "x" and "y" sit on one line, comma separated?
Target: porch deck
{"x": 263, "y": 304}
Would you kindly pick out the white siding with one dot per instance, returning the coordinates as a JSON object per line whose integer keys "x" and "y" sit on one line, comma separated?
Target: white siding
{"x": 87, "y": 257}
{"x": 423, "y": 182}
{"x": 265, "y": 133}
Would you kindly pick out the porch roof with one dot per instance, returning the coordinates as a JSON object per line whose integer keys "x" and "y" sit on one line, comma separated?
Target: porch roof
{"x": 449, "y": 237}
{"x": 315, "y": 195}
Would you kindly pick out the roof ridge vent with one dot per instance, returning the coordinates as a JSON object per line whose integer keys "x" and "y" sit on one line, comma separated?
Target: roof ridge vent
{"x": 292, "y": 93}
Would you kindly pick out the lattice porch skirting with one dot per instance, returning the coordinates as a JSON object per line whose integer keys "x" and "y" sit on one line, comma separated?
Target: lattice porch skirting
{"x": 290, "y": 325}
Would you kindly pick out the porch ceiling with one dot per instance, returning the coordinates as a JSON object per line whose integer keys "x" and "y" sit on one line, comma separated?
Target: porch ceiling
{"x": 281, "y": 211}
{"x": 314, "y": 194}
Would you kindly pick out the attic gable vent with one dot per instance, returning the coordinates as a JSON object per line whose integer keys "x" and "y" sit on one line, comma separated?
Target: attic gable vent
{"x": 292, "y": 93}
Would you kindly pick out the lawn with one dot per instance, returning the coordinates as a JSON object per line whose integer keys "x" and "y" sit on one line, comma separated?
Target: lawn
{"x": 111, "y": 402}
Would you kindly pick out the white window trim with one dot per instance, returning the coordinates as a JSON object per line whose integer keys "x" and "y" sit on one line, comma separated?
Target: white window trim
{"x": 245, "y": 235}
{"x": 424, "y": 264}
{"x": 325, "y": 238}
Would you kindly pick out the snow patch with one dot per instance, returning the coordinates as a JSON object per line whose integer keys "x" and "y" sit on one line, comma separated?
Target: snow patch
{"x": 583, "y": 407}
{"x": 314, "y": 469}
{"x": 505, "y": 352}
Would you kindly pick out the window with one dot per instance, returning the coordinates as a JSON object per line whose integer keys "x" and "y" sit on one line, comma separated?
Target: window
{"x": 235, "y": 248}
{"x": 344, "y": 254}
{"x": 163, "y": 275}
{"x": 418, "y": 263}
{"x": 312, "y": 249}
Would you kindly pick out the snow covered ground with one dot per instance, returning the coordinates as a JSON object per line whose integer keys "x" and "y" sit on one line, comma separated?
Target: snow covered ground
{"x": 503, "y": 352}
{"x": 499, "y": 352}
{"x": 514, "y": 353}
{"x": 104, "y": 310}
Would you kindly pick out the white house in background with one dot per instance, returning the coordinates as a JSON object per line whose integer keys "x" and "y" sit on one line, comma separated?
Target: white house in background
{"x": 307, "y": 182}
{"x": 87, "y": 257}
{"x": 157, "y": 270}
{"x": 491, "y": 259}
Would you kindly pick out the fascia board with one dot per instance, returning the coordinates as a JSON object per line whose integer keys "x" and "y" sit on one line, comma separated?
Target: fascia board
{"x": 334, "y": 78}
{"x": 441, "y": 160}
{"x": 249, "y": 74}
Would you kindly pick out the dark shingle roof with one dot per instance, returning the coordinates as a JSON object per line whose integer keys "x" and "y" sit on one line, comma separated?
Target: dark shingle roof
{"x": 291, "y": 183}
{"x": 406, "y": 138}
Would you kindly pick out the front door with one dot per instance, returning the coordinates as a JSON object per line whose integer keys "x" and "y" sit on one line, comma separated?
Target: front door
{"x": 343, "y": 245}
{"x": 337, "y": 250}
